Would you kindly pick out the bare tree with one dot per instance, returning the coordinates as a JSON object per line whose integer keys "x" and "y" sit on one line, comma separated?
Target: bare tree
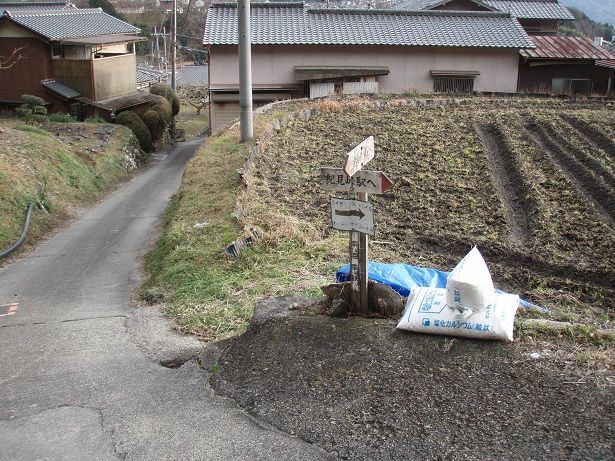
{"x": 6, "y": 62}
{"x": 196, "y": 96}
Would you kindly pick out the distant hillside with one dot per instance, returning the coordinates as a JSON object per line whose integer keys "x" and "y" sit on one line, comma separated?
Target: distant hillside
{"x": 598, "y": 10}
{"x": 582, "y": 25}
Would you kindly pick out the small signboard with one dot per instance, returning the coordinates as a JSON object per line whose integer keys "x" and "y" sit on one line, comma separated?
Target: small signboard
{"x": 352, "y": 215}
{"x": 364, "y": 181}
{"x": 359, "y": 156}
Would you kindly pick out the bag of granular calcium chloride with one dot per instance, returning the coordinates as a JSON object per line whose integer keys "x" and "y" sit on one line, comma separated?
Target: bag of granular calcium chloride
{"x": 469, "y": 287}
{"x": 427, "y": 312}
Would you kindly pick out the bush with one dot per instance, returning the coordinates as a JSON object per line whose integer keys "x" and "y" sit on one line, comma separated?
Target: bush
{"x": 164, "y": 90}
{"x": 163, "y": 107}
{"x": 155, "y": 124}
{"x": 137, "y": 126}
{"x": 33, "y": 109}
{"x": 96, "y": 119}
{"x": 62, "y": 118}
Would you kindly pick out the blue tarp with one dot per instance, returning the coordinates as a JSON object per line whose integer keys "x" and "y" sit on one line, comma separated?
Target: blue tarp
{"x": 404, "y": 277}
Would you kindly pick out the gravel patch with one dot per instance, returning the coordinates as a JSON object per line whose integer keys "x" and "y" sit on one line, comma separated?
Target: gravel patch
{"x": 361, "y": 390}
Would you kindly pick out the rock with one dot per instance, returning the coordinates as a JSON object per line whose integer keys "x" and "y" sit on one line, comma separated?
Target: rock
{"x": 337, "y": 290}
{"x": 385, "y": 300}
{"x": 340, "y": 308}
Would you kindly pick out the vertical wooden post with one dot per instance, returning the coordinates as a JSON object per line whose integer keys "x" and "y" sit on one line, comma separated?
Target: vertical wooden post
{"x": 355, "y": 294}
{"x": 363, "y": 257}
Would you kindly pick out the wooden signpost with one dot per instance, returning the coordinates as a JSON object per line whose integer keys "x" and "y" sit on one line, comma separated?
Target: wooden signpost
{"x": 356, "y": 214}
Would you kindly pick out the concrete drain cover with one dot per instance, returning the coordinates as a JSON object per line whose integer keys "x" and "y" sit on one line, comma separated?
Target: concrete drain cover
{"x": 8, "y": 309}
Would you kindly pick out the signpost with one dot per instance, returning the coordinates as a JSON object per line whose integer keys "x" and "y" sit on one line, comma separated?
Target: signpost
{"x": 352, "y": 215}
{"x": 356, "y": 214}
{"x": 364, "y": 181}
{"x": 358, "y": 157}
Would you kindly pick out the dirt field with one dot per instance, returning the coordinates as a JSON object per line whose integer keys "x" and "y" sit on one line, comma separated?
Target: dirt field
{"x": 532, "y": 183}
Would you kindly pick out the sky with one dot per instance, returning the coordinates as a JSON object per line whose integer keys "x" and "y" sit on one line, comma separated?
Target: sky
{"x": 598, "y": 10}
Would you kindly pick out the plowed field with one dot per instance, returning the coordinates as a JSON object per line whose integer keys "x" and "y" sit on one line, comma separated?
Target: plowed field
{"x": 532, "y": 183}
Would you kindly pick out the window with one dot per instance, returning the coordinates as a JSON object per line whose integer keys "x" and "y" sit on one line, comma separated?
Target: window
{"x": 450, "y": 81}
{"x": 57, "y": 52}
{"x": 571, "y": 86}
{"x": 453, "y": 84}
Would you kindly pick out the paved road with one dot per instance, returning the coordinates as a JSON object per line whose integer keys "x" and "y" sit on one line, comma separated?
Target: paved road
{"x": 80, "y": 377}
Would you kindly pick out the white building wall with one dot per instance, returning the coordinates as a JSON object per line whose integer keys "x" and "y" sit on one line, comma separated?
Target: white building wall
{"x": 273, "y": 66}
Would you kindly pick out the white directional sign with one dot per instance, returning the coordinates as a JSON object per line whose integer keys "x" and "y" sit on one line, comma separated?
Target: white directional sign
{"x": 364, "y": 181}
{"x": 352, "y": 215}
{"x": 359, "y": 156}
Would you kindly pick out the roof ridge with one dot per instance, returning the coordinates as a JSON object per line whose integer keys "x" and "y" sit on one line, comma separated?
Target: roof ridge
{"x": 50, "y": 12}
{"x": 259, "y": 4}
{"x": 449, "y": 13}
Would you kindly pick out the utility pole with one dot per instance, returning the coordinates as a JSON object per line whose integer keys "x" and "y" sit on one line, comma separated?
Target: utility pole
{"x": 174, "y": 59}
{"x": 245, "y": 70}
{"x": 174, "y": 45}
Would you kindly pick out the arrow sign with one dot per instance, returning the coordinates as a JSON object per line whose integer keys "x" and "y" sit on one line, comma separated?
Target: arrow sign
{"x": 358, "y": 157}
{"x": 352, "y": 215}
{"x": 357, "y": 213}
{"x": 363, "y": 181}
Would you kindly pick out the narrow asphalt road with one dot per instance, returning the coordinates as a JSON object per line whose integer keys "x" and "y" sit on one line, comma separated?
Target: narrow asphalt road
{"x": 80, "y": 377}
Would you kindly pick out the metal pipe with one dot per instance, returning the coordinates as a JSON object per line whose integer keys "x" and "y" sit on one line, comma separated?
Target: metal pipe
{"x": 22, "y": 237}
{"x": 245, "y": 70}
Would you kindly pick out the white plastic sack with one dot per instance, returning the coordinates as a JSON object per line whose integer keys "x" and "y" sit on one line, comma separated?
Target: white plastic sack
{"x": 469, "y": 287}
{"x": 427, "y": 312}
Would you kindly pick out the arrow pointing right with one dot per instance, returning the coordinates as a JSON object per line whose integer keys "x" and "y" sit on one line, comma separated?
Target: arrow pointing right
{"x": 358, "y": 213}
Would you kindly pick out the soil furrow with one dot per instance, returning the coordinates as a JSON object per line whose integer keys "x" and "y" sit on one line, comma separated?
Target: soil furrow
{"x": 581, "y": 176}
{"x": 509, "y": 181}
{"x": 450, "y": 245}
{"x": 593, "y": 164}
{"x": 591, "y": 135}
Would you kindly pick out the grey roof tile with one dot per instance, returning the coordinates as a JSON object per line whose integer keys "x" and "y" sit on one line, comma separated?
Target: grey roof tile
{"x": 20, "y": 7}
{"x": 522, "y": 9}
{"x": 292, "y": 23}
{"x": 192, "y": 76}
{"x": 532, "y": 9}
{"x": 61, "y": 24}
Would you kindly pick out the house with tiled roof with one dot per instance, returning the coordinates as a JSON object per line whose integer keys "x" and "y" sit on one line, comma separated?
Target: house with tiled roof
{"x": 538, "y": 17}
{"x": 299, "y": 52}
{"x": 80, "y": 61}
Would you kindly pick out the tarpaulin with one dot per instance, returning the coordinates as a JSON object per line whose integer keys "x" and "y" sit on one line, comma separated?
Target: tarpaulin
{"x": 404, "y": 277}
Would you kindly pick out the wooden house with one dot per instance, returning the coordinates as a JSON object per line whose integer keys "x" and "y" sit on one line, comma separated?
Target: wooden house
{"x": 80, "y": 61}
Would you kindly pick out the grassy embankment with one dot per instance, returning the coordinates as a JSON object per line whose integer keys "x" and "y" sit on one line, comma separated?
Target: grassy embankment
{"x": 63, "y": 166}
{"x": 207, "y": 294}
{"x": 543, "y": 236}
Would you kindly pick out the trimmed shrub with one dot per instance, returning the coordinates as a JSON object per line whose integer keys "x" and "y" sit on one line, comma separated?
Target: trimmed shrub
{"x": 155, "y": 124}
{"x": 62, "y": 118}
{"x": 137, "y": 126}
{"x": 164, "y": 90}
{"x": 163, "y": 107}
{"x": 33, "y": 109}
{"x": 95, "y": 119}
